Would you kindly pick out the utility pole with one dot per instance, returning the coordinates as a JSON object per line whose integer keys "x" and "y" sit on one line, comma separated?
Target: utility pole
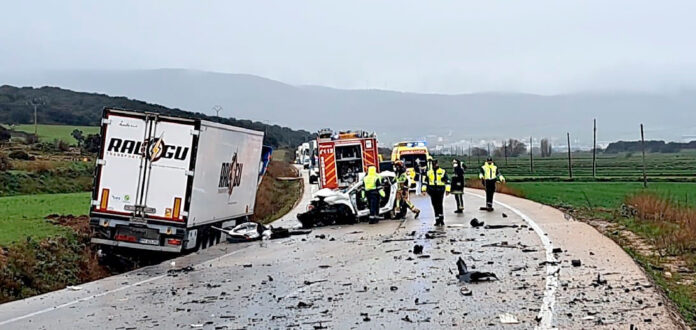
{"x": 36, "y": 102}
{"x": 217, "y": 109}
{"x": 531, "y": 156}
{"x": 642, "y": 142}
{"x": 489, "y": 149}
{"x": 570, "y": 162}
{"x": 594, "y": 151}
{"x": 505, "y": 151}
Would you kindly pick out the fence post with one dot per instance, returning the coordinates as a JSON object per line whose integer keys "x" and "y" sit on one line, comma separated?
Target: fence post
{"x": 642, "y": 142}
{"x": 570, "y": 162}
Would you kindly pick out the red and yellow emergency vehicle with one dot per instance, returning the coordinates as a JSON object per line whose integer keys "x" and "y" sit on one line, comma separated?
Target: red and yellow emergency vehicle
{"x": 344, "y": 155}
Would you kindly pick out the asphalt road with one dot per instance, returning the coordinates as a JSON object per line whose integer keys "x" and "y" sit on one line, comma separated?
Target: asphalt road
{"x": 366, "y": 276}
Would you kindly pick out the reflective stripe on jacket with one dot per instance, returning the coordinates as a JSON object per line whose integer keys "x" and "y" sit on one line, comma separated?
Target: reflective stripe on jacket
{"x": 490, "y": 172}
{"x": 436, "y": 180}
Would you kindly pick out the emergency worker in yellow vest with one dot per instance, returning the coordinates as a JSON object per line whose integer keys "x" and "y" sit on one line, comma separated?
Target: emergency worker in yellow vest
{"x": 374, "y": 192}
{"x": 489, "y": 175}
{"x": 436, "y": 183}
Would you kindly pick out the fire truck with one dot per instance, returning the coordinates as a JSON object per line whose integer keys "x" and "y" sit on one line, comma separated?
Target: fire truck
{"x": 343, "y": 156}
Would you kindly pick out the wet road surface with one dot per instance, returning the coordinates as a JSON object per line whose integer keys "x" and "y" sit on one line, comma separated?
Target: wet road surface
{"x": 366, "y": 276}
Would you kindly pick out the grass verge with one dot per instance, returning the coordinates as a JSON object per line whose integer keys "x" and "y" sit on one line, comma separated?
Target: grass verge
{"x": 49, "y": 133}
{"x": 23, "y": 216}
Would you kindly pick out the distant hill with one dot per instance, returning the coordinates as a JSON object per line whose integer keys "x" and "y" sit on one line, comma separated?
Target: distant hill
{"x": 395, "y": 115}
{"x": 75, "y": 108}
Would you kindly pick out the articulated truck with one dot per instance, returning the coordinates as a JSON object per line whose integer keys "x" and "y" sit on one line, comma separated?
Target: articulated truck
{"x": 162, "y": 183}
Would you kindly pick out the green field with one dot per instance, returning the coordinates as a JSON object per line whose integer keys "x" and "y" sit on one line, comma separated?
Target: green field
{"x": 22, "y": 216}
{"x": 626, "y": 166}
{"x": 48, "y": 133}
{"x": 601, "y": 194}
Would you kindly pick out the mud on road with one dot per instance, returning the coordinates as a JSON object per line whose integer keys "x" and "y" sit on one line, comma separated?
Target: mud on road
{"x": 367, "y": 276}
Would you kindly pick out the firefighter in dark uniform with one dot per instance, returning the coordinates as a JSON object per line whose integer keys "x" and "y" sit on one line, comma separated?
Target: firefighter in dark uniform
{"x": 458, "y": 183}
{"x": 489, "y": 175}
{"x": 402, "y": 196}
{"x": 436, "y": 183}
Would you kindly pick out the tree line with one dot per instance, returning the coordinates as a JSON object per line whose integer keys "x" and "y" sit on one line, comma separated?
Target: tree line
{"x": 65, "y": 107}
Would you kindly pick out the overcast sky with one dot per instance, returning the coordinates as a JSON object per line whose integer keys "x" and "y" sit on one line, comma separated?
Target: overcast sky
{"x": 545, "y": 47}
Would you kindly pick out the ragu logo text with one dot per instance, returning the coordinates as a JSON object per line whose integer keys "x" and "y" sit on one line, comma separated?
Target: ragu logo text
{"x": 230, "y": 175}
{"x": 155, "y": 150}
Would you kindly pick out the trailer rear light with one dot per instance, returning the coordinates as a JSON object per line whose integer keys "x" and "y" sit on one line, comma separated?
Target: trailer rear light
{"x": 174, "y": 241}
{"x": 104, "y": 199}
{"x": 127, "y": 238}
{"x": 177, "y": 208}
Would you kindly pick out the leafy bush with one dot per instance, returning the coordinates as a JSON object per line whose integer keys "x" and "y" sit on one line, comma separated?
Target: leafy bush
{"x": 21, "y": 155}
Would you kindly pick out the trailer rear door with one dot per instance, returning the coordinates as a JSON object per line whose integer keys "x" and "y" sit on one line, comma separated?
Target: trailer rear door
{"x": 144, "y": 167}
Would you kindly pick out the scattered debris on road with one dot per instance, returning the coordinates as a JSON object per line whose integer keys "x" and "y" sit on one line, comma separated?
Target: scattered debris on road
{"x": 472, "y": 277}
{"x": 507, "y": 318}
{"x": 417, "y": 249}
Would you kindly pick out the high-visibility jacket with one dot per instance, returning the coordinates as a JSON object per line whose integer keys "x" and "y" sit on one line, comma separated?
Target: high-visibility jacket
{"x": 490, "y": 172}
{"x": 436, "y": 180}
{"x": 402, "y": 178}
{"x": 372, "y": 182}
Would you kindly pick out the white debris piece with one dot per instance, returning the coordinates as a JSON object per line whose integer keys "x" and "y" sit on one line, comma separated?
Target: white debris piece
{"x": 507, "y": 318}
{"x": 74, "y": 288}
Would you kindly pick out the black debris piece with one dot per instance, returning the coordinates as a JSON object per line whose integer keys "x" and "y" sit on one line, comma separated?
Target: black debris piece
{"x": 322, "y": 236}
{"x": 247, "y": 265}
{"x": 332, "y": 239}
{"x": 307, "y": 282}
{"x": 455, "y": 252}
{"x": 413, "y": 233}
{"x": 324, "y": 266}
{"x": 270, "y": 278}
{"x": 557, "y": 250}
{"x": 500, "y": 226}
{"x": 476, "y": 223}
{"x": 599, "y": 281}
{"x": 393, "y": 288}
{"x": 504, "y": 215}
{"x": 181, "y": 270}
{"x": 303, "y": 304}
{"x": 576, "y": 262}
{"x": 417, "y": 249}
{"x": 407, "y": 319}
{"x": 472, "y": 277}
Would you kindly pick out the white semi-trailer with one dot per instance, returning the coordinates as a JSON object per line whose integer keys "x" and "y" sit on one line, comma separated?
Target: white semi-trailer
{"x": 163, "y": 182}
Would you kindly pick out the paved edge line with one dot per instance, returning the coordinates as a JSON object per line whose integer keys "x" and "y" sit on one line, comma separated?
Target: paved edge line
{"x": 545, "y": 316}
{"x": 83, "y": 299}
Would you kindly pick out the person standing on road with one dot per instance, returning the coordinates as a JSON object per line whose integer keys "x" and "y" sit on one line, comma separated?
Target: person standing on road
{"x": 489, "y": 175}
{"x": 458, "y": 182}
{"x": 402, "y": 190}
{"x": 436, "y": 183}
{"x": 373, "y": 189}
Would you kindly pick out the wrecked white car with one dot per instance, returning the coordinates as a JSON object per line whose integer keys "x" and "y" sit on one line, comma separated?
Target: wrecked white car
{"x": 344, "y": 206}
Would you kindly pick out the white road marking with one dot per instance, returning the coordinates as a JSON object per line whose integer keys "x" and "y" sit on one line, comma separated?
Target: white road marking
{"x": 545, "y": 316}
{"x": 49, "y": 309}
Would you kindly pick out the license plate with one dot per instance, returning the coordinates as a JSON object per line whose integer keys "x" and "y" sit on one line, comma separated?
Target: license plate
{"x": 139, "y": 220}
{"x": 149, "y": 241}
